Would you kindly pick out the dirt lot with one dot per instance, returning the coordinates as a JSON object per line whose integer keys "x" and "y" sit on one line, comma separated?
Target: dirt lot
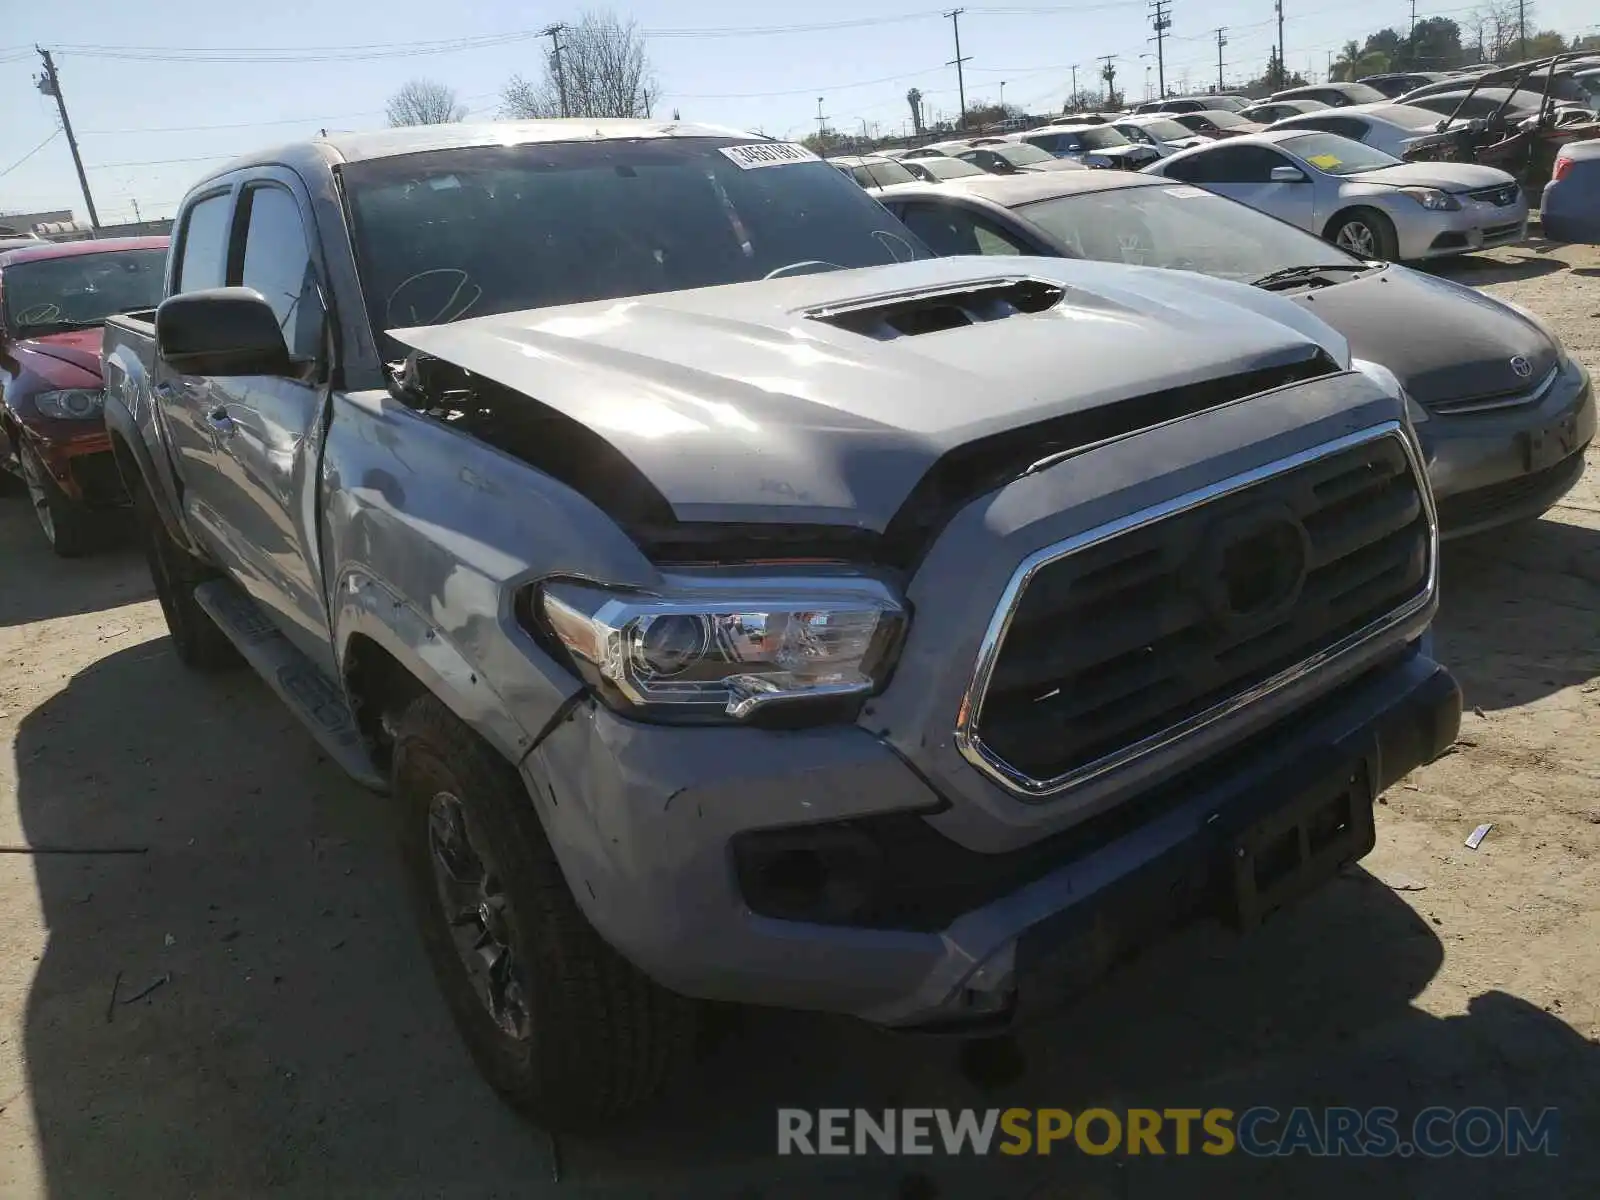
{"x": 297, "y": 1046}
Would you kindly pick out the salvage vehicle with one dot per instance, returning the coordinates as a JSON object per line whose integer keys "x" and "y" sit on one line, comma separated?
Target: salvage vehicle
{"x": 1205, "y": 102}
{"x": 1215, "y": 124}
{"x": 1161, "y": 133}
{"x": 1504, "y": 413}
{"x": 1097, "y": 146}
{"x": 1511, "y": 139}
{"x": 1334, "y": 95}
{"x": 54, "y": 300}
{"x": 872, "y": 171}
{"x": 1267, "y": 112}
{"x": 1408, "y": 134}
{"x": 1014, "y": 158}
{"x": 1368, "y": 202}
{"x": 743, "y": 604}
{"x": 937, "y": 168}
{"x": 1570, "y": 208}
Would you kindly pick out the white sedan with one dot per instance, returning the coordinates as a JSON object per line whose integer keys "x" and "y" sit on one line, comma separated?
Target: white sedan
{"x": 1396, "y": 129}
{"x": 1357, "y": 197}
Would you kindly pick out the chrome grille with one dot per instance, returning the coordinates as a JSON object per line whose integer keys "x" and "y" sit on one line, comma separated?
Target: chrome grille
{"x": 1130, "y": 637}
{"x": 1505, "y": 194}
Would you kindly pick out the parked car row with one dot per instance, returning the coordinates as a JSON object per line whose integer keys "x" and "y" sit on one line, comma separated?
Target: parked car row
{"x": 750, "y": 591}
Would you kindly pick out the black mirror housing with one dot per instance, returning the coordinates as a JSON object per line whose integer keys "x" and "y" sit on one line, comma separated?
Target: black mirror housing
{"x": 221, "y": 331}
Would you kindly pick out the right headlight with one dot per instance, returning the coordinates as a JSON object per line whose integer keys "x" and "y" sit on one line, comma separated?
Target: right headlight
{"x": 721, "y": 646}
{"x": 71, "y": 404}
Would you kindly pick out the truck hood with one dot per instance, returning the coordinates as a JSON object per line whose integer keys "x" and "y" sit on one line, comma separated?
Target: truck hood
{"x": 767, "y": 402}
{"x": 1443, "y": 341}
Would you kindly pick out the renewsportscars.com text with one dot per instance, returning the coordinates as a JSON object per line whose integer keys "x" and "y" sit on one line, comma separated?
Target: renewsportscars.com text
{"x": 1259, "y": 1132}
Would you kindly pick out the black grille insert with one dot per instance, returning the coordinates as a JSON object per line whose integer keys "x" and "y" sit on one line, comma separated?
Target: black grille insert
{"x": 1130, "y": 636}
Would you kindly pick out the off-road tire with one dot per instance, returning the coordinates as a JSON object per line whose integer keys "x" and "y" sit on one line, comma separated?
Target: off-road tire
{"x": 604, "y": 1037}
{"x": 1385, "y": 242}
{"x": 196, "y": 640}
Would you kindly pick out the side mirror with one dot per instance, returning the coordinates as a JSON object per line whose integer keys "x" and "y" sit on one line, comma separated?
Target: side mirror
{"x": 221, "y": 331}
{"x": 1288, "y": 175}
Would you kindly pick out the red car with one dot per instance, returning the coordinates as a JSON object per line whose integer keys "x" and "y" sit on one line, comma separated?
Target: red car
{"x": 54, "y": 299}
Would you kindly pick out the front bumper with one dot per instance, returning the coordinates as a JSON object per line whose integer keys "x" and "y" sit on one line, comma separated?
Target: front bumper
{"x": 1503, "y": 465}
{"x": 647, "y": 817}
{"x": 1476, "y": 226}
{"x": 78, "y": 457}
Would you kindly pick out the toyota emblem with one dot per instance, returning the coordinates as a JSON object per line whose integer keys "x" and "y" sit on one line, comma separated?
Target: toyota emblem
{"x": 1521, "y": 367}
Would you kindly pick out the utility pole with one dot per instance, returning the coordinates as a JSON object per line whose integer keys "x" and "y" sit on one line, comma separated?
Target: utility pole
{"x": 1221, "y": 42}
{"x": 961, "y": 84}
{"x": 553, "y": 32}
{"x": 1161, "y": 21}
{"x": 137, "y": 218}
{"x": 1074, "y": 99}
{"x": 1522, "y": 30}
{"x": 50, "y": 85}
{"x": 1283, "y": 73}
{"x": 1108, "y": 72}
{"x": 822, "y": 124}
{"x": 1002, "y": 95}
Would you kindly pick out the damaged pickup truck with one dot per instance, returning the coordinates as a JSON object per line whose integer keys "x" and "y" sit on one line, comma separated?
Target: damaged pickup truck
{"x": 741, "y": 604}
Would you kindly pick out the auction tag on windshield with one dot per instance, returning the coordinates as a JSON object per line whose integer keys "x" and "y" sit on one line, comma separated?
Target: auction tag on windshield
{"x": 767, "y": 154}
{"x": 1326, "y": 161}
{"x": 1186, "y": 192}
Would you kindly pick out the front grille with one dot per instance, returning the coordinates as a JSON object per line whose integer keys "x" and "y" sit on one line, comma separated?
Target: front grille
{"x": 1119, "y": 642}
{"x": 1498, "y": 196}
{"x": 1494, "y": 401}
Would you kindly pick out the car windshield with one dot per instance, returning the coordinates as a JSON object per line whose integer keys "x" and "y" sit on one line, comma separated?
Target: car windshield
{"x": 466, "y": 232}
{"x": 52, "y": 295}
{"x": 1228, "y": 104}
{"x": 885, "y": 171}
{"x": 1178, "y": 227}
{"x": 1166, "y": 131}
{"x": 1337, "y": 155}
{"x": 1360, "y": 93}
{"x": 948, "y": 168}
{"x": 1101, "y": 137}
{"x": 1020, "y": 154}
{"x": 1225, "y": 120}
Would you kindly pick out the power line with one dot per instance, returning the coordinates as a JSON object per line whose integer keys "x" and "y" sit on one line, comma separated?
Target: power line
{"x": 54, "y": 133}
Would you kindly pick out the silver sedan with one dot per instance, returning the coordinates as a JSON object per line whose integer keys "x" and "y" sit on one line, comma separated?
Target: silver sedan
{"x": 1358, "y": 197}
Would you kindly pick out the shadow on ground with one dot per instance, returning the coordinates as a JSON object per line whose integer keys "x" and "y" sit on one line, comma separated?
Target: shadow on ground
{"x": 1476, "y": 271}
{"x": 295, "y": 1043}
{"x": 1519, "y": 616}
{"x": 40, "y": 586}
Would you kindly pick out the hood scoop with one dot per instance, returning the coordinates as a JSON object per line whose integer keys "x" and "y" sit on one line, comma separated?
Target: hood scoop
{"x": 888, "y": 318}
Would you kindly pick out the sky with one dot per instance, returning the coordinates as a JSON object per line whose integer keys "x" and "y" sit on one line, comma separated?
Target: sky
{"x": 147, "y": 125}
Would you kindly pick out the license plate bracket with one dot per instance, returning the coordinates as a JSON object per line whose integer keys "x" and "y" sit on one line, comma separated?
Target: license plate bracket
{"x": 1544, "y": 448}
{"x": 1302, "y": 844}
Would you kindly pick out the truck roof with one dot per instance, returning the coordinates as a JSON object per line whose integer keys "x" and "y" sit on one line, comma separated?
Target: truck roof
{"x": 416, "y": 139}
{"x": 42, "y": 249}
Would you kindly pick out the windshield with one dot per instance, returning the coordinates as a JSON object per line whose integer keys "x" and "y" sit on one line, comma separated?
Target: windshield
{"x": 1102, "y": 137}
{"x": 1228, "y": 103}
{"x": 1019, "y": 154}
{"x": 1166, "y": 131}
{"x": 1225, "y": 120}
{"x": 1360, "y": 93}
{"x": 463, "y": 233}
{"x": 51, "y": 295}
{"x": 1337, "y": 155}
{"x": 885, "y": 171}
{"x": 946, "y": 168}
{"x": 1178, "y": 227}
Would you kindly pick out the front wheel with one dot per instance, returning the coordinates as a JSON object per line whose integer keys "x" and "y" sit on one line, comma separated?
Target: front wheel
{"x": 564, "y": 1028}
{"x": 1366, "y": 233}
{"x": 66, "y": 526}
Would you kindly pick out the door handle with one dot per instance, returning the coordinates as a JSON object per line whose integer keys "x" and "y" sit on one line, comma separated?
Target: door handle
{"x": 221, "y": 423}
{"x": 165, "y": 391}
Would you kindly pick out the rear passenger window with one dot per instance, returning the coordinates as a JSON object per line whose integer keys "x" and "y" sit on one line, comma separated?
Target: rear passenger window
{"x": 205, "y": 244}
{"x": 278, "y": 265}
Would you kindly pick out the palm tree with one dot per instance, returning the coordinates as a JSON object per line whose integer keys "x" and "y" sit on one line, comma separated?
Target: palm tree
{"x": 914, "y": 99}
{"x": 1344, "y": 67}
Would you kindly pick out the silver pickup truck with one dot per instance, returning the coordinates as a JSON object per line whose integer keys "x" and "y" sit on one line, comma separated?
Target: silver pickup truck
{"x": 741, "y": 604}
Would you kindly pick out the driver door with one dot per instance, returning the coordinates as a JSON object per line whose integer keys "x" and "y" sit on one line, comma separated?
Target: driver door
{"x": 268, "y": 427}
{"x": 1244, "y": 173}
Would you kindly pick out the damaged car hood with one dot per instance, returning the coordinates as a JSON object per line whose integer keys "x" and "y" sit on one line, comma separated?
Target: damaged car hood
{"x": 790, "y": 400}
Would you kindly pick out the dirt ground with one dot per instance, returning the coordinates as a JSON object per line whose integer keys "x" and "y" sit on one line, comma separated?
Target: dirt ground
{"x": 294, "y": 1044}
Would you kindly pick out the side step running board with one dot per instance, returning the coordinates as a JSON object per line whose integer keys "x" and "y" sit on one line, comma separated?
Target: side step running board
{"x": 296, "y": 679}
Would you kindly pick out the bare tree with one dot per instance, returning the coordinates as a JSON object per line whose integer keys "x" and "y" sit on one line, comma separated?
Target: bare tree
{"x": 424, "y": 102}
{"x": 598, "y": 66}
